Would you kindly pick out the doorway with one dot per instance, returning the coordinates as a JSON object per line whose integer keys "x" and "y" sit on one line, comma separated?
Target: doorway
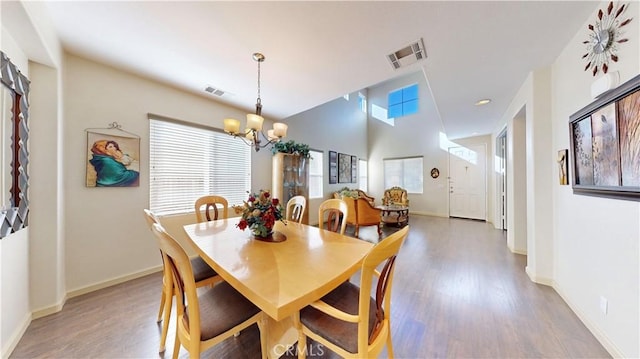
{"x": 467, "y": 182}
{"x": 501, "y": 159}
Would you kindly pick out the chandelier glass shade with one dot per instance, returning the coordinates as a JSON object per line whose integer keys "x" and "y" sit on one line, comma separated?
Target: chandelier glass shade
{"x": 253, "y": 135}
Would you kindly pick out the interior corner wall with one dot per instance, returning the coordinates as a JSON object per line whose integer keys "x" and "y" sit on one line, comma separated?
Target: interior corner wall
{"x": 596, "y": 240}
{"x": 338, "y": 125}
{"x": 46, "y": 252}
{"x": 517, "y": 182}
{"x": 540, "y": 162}
{"x": 420, "y": 134}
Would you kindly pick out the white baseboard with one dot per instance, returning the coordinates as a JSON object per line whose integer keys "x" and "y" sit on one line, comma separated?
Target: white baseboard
{"x": 430, "y": 214}
{"x": 608, "y": 345}
{"x": 43, "y": 312}
{"x": 39, "y": 313}
{"x": 114, "y": 281}
{"x": 11, "y": 344}
{"x": 536, "y": 279}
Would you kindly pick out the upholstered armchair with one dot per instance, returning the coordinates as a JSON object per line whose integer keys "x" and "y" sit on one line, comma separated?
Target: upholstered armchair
{"x": 395, "y": 196}
{"x": 361, "y": 214}
{"x": 354, "y": 193}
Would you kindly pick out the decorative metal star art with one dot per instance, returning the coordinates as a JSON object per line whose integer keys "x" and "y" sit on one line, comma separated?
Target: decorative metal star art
{"x": 604, "y": 37}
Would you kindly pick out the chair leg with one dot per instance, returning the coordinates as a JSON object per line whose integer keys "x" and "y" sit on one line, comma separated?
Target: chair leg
{"x": 162, "y": 296}
{"x": 168, "y": 302}
{"x": 389, "y": 345}
{"x": 263, "y": 328}
{"x": 357, "y": 230}
{"x": 176, "y": 345}
{"x": 302, "y": 338}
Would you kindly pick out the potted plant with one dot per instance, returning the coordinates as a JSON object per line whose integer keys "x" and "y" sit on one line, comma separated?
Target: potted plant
{"x": 291, "y": 147}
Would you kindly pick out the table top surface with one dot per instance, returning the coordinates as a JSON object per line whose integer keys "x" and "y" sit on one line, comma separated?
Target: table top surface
{"x": 392, "y": 208}
{"x": 280, "y": 278}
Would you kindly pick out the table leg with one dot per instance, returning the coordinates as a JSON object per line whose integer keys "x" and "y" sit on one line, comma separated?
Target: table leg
{"x": 282, "y": 335}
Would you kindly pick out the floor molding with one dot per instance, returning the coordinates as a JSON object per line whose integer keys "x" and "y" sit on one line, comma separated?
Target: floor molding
{"x": 114, "y": 281}
{"x": 602, "y": 338}
{"x": 15, "y": 338}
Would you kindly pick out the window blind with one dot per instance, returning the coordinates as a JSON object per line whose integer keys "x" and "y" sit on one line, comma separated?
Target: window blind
{"x": 187, "y": 162}
{"x": 315, "y": 174}
{"x": 405, "y": 173}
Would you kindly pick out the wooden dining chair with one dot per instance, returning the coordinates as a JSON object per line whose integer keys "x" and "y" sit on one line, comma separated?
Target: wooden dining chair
{"x": 203, "y": 275}
{"x": 348, "y": 320}
{"x": 212, "y": 315}
{"x": 295, "y": 208}
{"x": 336, "y": 212}
{"x": 212, "y": 206}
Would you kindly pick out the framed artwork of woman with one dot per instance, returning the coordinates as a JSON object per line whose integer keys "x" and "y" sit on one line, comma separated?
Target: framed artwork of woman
{"x": 112, "y": 161}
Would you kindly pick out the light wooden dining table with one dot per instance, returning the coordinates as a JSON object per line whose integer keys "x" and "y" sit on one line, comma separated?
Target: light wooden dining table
{"x": 280, "y": 278}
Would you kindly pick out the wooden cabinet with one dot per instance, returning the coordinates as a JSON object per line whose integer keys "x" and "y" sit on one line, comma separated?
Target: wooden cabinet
{"x": 291, "y": 178}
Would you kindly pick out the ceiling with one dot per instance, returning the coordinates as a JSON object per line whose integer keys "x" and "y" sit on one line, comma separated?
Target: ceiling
{"x": 318, "y": 51}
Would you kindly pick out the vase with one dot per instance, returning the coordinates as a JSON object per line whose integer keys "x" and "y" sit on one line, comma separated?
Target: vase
{"x": 272, "y": 236}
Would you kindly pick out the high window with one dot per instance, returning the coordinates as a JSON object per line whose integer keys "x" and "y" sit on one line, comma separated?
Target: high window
{"x": 315, "y": 174}
{"x": 404, "y": 172}
{"x": 403, "y": 102}
{"x": 189, "y": 161}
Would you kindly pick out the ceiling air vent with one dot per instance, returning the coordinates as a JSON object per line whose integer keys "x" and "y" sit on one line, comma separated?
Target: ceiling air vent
{"x": 408, "y": 55}
{"x": 214, "y": 91}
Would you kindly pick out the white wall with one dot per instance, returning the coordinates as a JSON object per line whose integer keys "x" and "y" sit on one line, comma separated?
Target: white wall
{"x": 107, "y": 239}
{"x": 586, "y": 247}
{"x": 15, "y": 313}
{"x": 338, "y": 125}
{"x": 414, "y": 135}
{"x": 596, "y": 239}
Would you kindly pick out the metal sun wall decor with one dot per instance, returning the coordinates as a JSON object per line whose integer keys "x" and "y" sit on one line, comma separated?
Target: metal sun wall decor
{"x": 604, "y": 37}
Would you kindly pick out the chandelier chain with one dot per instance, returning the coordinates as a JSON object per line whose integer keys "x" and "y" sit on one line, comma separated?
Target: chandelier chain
{"x": 259, "y": 100}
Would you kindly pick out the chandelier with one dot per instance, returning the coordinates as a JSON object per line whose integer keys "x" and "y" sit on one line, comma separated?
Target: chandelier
{"x": 253, "y": 135}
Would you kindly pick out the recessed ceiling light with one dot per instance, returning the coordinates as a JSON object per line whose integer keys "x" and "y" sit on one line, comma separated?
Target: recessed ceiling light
{"x": 482, "y": 102}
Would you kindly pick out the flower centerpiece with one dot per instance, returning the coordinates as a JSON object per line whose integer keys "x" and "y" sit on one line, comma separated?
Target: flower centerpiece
{"x": 260, "y": 213}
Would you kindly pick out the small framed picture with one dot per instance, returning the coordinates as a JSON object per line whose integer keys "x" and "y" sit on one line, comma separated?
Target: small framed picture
{"x": 354, "y": 169}
{"x": 333, "y": 167}
{"x": 563, "y": 167}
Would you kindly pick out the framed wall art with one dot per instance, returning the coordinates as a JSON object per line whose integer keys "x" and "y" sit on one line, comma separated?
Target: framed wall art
{"x": 112, "y": 158}
{"x": 605, "y": 144}
{"x": 563, "y": 167}
{"x": 354, "y": 169}
{"x": 344, "y": 168}
{"x": 333, "y": 167}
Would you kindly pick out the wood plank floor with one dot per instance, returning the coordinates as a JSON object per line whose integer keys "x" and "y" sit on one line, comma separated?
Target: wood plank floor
{"x": 458, "y": 293}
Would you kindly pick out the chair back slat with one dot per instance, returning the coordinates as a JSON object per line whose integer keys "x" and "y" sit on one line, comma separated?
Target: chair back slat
{"x": 212, "y": 207}
{"x": 381, "y": 293}
{"x": 386, "y": 250}
{"x": 295, "y": 208}
{"x": 336, "y": 211}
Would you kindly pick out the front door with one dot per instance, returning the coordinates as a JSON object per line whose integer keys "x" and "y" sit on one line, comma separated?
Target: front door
{"x": 467, "y": 182}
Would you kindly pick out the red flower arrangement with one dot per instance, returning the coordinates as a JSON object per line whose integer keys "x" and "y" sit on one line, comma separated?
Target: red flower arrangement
{"x": 260, "y": 213}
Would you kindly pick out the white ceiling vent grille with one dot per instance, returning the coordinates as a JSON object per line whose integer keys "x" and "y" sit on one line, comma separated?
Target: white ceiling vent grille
{"x": 408, "y": 55}
{"x": 214, "y": 91}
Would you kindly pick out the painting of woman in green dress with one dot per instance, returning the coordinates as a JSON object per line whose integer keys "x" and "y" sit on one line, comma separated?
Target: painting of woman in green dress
{"x": 110, "y": 166}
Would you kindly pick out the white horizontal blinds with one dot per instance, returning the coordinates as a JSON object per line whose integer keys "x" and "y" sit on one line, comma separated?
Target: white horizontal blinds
{"x": 363, "y": 180}
{"x": 187, "y": 162}
{"x": 405, "y": 173}
{"x": 315, "y": 174}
